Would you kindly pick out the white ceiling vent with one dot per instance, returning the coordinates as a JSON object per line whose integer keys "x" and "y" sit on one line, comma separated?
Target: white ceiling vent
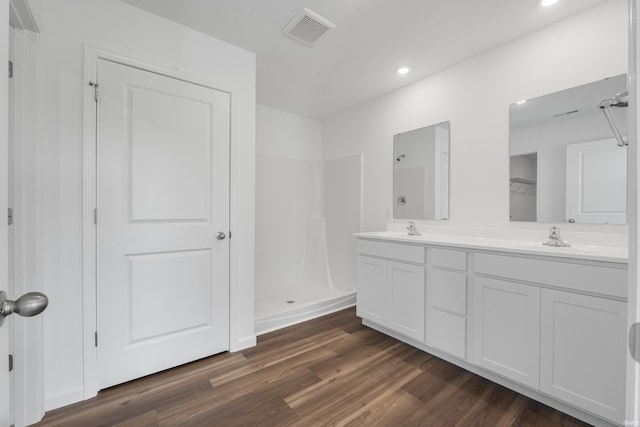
{"x": 307, "y": 27}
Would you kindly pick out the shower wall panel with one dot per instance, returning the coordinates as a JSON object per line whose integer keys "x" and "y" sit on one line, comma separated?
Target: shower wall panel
{"x": 343, "y": 208}
{"x": 286, "y": 192}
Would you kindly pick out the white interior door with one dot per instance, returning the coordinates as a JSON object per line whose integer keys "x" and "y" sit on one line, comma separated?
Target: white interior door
{"x": 5, "y": 413}
{"x": 5, "y": 398}
{"x": 162, "y": 195}
{"x": 597, "y": 182}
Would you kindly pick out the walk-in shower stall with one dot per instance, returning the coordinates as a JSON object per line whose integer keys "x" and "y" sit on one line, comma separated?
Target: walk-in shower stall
{"x": 306, "y": 214}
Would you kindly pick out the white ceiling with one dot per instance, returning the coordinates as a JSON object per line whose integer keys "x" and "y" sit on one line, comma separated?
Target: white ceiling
{"x": 356, "y": 62}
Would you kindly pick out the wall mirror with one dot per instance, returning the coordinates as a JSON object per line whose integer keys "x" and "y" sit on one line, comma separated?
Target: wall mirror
{"x": 565, "y": 163}
{"x": 421, "y": 173}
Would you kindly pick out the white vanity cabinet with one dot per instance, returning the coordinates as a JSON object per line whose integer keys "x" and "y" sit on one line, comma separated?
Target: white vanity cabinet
{"x": 391, "y": 286}
{"x": 535, "y": 323}
{"x": 551, "y": 327}
{"x": 405, "y": 303}
{"x": 507, "y": 329}
{"x": 582, "y": 351}
{"x": 446, "y": 327}
{"x": 372, "y": 288}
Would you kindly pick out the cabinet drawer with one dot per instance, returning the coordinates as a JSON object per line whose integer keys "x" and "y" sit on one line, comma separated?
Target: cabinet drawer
{"x": 449, "y": 291}
{"x": 446, "y": 258}
{"x": 407, "y": 253}
{"x": 598, "y": 279}
{"x": 448, "y": 333}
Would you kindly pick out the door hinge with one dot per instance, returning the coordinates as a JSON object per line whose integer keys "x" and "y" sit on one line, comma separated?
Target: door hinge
{"x": 10, "y": 69}
{"x": 634, "y": 341}
{"x": 10, "y": 216}
{"x": 95, "y": 336}
{"x": 95, "y": 89}
{"x": 10, "y": 362}
{"x": 95, "y": 216}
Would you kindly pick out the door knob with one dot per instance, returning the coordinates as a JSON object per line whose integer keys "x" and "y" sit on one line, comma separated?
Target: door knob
{"x": 27, "y": 305}
{"x": 220, "y": 235}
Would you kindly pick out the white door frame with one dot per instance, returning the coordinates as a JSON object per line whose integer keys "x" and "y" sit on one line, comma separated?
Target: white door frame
{"x": 28, "y": 339}
{"x": 92, "y": 54}
{"x": 5, "y": 413}
{"x": 633, "y": 209}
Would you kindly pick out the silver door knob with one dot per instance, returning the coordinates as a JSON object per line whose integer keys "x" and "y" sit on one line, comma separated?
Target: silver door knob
{"x": 220, "y": 235}
{"x": 27, "y": 305}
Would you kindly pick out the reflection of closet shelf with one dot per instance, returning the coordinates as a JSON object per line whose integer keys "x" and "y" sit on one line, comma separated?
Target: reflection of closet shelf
{"x": 523, "y": 187}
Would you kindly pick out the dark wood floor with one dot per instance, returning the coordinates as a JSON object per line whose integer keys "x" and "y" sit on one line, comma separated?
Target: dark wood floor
{"x": 328, "y": 371}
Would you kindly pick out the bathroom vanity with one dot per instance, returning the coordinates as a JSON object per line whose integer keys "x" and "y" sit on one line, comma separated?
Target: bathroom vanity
{"x": 547, "y": 322}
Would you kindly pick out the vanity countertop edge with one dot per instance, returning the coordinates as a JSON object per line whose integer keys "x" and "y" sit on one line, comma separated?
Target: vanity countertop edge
{"x": 580, "y": 252}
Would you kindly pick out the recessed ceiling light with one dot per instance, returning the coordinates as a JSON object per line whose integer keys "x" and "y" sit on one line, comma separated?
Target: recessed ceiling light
{"x": 548, "y": 2}
{"x": 403, "y": 70}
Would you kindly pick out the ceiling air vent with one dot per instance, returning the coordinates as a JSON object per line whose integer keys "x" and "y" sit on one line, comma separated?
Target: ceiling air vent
{"x": 307, "y": 27}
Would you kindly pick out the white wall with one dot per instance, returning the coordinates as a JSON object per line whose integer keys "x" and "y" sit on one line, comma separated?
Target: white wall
{"x": 112, "y": 25}
{"x": 287, "y": 135}
{"x": 475, "y": 96}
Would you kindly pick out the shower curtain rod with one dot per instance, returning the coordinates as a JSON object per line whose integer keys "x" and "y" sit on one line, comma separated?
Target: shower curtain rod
{"x": 606, "y": 105}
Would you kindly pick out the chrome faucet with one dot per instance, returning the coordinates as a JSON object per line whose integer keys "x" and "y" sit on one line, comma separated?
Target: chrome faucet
{"x": 555, "y": 239}
{"x": 413, "y": 231}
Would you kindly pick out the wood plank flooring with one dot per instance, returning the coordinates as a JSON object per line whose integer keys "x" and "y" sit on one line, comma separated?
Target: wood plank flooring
{"x": 331, "y": 371}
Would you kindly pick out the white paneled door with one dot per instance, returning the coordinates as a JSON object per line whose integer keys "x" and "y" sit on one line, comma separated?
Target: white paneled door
{"x": 596, "y": 183}
{"x": 5, "y": 399}
{"x": 162, "y": 222}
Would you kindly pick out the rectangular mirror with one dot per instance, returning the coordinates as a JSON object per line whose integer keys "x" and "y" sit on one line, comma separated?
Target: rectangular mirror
{"x": 565, "y": 162}
{"x": 421, "y": 173}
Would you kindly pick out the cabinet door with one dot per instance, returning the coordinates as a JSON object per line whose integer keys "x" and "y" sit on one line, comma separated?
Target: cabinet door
{"x": 372, "y": 288}
{"x": 406, "y": 301}
{"x": 507, "y": 329}
{"x": 582, "y": 352}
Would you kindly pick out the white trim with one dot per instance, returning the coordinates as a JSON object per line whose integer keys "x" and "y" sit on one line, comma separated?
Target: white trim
{"x": 633, "y": 203}
{"x": 244, "y": 342}
{"x": 28, "y": 347}
{"x": 21, "y": 17}
{"x": 91, "y": 55}
{"x": 4, "y": 241}
{"x": 89, "y": 301}
{"x": 65, "y": 397}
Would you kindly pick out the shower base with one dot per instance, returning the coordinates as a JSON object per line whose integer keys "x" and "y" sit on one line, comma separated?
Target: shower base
{"x": 278, "y": 311}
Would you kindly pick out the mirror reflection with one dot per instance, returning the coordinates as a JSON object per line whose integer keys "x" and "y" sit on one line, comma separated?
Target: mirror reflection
{"x": 421, "y": 173}
{"x": 565, "y": 163}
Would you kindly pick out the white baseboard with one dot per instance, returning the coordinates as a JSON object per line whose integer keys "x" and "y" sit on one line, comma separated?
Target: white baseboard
{"x": 242, "y": 343}
{"x": 64, "y": 398}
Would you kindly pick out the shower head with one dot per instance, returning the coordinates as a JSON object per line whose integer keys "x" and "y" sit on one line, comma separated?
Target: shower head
{"x": 400, "y": 157}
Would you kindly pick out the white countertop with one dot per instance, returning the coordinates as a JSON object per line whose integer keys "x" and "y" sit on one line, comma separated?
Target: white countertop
{"x": 586, "y": 252}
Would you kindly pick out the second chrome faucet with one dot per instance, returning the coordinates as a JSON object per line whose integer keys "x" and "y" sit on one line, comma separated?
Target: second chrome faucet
{"x": 555, "y": 239}
{"x": 413, "y": 231}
